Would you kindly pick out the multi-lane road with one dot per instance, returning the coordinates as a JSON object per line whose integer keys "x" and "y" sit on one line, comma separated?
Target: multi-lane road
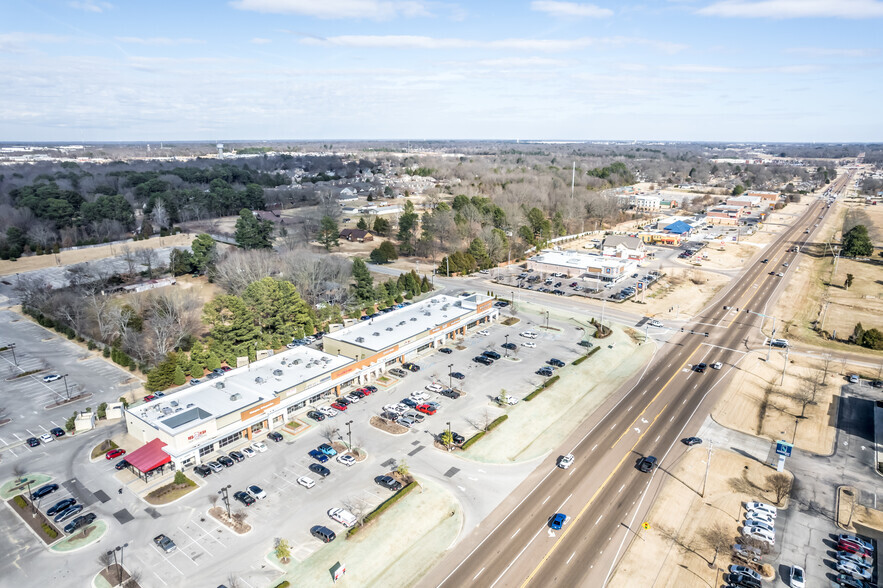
{"x": 603, "y": 493}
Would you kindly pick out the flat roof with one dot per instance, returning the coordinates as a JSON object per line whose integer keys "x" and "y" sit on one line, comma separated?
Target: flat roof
{"x": 578, "y": 260}
{"x": 239, "y": 388}
{"x": 401, "y": 324}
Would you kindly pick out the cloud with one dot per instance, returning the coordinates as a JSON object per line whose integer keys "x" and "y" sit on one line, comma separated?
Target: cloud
{"x": 158, "y": 41}
{"x": 565, "y": 9}
{"x": 448, "y": 43}
{"x": 717, "y": 69}
{"x": 91, "y": 6}
{"x": 335, "y": 9}
{"x": 517, "y": 62}
{"x": 261, "y": 41}
{"x": 831, "y": 52}
{"x": 21, "y": 42}
{"x": 856, "y": 9}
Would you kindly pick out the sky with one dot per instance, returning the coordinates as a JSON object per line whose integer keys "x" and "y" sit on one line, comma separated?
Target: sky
{"x": 680, "y": 70}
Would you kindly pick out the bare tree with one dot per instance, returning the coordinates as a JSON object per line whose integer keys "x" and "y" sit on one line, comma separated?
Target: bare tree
{"x": 804, "y": 397}
{"x": 42, "y": 234}
{"x": 329, "y": 433}
{"x": 717, "y": 538}
{"x": 173, "y": 315}
{"x": 232, "y": 580}
{"x": 780, "y": 484}
{"x": 134, "y": 579}
{"x": 105, "y": 559}
{"x": 240, "y": 268}
{"x": 160, "y": 215}
{"x": 148, "y": 258}
{"x": 129, "y": 257}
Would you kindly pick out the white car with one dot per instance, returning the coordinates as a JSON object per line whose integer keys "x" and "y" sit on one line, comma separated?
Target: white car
{"x": 483, "y": 333}
{"x": 655, "y": 323}
{"x": 259, "y": 446}
{"x": 256, "y": 492}
{"x": 435, "y": 387}
{"x": 854, "y": 570}
{"x": 419, "y": 396}
{"x": 529, "y": 335}
{"x": 46, "y": 438}
{"x": 760, "y": 515}
{"x": 565, "y": 461}
{"x": 248, "y": 452}
{"x": 401, "y": 408}
{"x": 798, "y": 577}
{"x": 760, "y": 534}
{"x": 342, "y": 516}
{"x": 306, "y": 481}
{"x": 51, "y": 378}
{"x": 760, "y": 525}
{"x": 346, "y": 460}
{"x": 717, "y": 365}
{"x": 352, "y": 398}
{"x": 529, "y": 344}
{"x": 772, "y": 510}
{"x": 328, "y": 411}
{"x": 511, "y": 400}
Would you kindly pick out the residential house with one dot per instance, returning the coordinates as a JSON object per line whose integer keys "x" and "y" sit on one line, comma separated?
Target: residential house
{"x": 357, "y": 235}
{"x": 624, "y": 247}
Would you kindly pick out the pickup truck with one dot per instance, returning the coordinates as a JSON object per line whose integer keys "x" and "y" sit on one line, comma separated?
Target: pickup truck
{"x": 165, "y": 543}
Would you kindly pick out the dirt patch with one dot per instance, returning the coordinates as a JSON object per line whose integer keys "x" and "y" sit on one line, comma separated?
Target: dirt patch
{"x": 103, "y": 448}
{"x": 854, "y": 517}
{"x": 681, "y": 292}
{"x": 511, "y": 321}
{"x": 170, "y": 492}
{"x": 756, "y": 403}
{"x": 236, "y": 524}
{"x": 387, "y": 426}
{"x": 36, "y": 520}
{"x": 677, "y": 548}
{"x": 115, "y": 574}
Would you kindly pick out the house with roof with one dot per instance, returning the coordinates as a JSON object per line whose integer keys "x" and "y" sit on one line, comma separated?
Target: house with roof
{"x": 624, "y": 247}
{"x": 358, "y": 235}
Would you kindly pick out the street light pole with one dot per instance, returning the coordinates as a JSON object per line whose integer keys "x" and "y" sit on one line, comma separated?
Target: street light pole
{"x": 66, "y": 389}
{"x": 224, "y": 492}
{"x": 507, "y": 346}
{"x": 451, "y": 376}
{"x": 113, "y": 554}
{"x": 11, "y": 347}
{"x": 349, "y": 433}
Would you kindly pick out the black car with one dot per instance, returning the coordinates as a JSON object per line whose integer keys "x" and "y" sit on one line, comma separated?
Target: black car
{"x": 585, "y": 343}
{"x": 690, "y": 441}
{"x": 343, "y": 401}
{"x": 700, "y": 368}
{"x": 511, "y": 346}
{"x": 44, "y": 491}
{"x": 482, "y": 360}
{"x": 450, "y": 393}
{"x": 57, "y": 432}
{"x": 390, "y": 416}
{"x": 371, "y": 389}
{"x": 68, "y": 513}
{"x": 411, "y": 367}
{"x": 316, "y": 416}
{"x": 244, "y": 497}
{"x": 501, "y": 304}
{"x": 458, "y": 376}
{"x": 319, "y": 469}
{"x": 446, "y": 350}
{"x": 458, "y": 438}
{"x": 323, "y": 534}
{"x": 203, "y": 470}
{"x": 647, "y": 464}
{"x": 742, "y": 580}
{"x": 33, "y": 442}
{"x": 358, "y": 394}
{"x": 226, "y": 461}
{"x": 80, "y": 521}
{"x": 237, "y": 456}
{"x": 121, "y": 465}
{"x": 61, "y": 505}
{"x": 409, "y": 402}
{"x": 556, "y": 362}
{"x": 389, "y": 482}
{"x": 275, "y": 436}
{"x": 491, "y": 354}
{"x": 545, "y": 371}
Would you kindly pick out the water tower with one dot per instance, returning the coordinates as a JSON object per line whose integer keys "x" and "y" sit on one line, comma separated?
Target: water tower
{"x": 220, "y": 150}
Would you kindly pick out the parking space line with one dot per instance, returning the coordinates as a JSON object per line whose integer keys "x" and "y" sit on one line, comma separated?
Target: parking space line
{"x": 208, "y": 534}
{"x": 192, "y": 540}
{"x": 167, "y": 560}
{"x": 158, "y": 578}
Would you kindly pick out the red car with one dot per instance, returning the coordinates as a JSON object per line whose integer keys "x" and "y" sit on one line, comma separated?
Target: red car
{"x": 426, "y": 409}
{"x": 226, "y": 368}
{"x": 149, "y": 397}
{"x": 114, "y": 453}
{"x": 851, "y": 547}
{"x": 339, "y": 406}
{"x": 364, "y": 391}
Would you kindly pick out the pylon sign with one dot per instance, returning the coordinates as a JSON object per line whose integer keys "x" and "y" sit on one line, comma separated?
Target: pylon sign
{"x": 784, "y": 448}
{"x": 645, "y": 526}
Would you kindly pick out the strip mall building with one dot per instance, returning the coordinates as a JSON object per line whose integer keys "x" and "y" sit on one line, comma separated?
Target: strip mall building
{"x": 195, "y": 422}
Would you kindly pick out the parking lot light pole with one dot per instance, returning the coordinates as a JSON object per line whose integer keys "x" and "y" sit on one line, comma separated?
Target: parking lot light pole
{"x": 120, "y": 568}
{"x": 66, "y": 389}
{"x": 507, "y": 346}
{"x": 450, "y": 375}
{"x": 33, "y": 502}
{"x": 349, "y": 433}
{"x": 112, "y": 553}
{"x": 11, "y": 347}
{"x": 224, "y": 492}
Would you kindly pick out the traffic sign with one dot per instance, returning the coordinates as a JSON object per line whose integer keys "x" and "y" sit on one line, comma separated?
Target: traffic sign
{"x": 784, "y": 448}
{"x": 640, "y": 285}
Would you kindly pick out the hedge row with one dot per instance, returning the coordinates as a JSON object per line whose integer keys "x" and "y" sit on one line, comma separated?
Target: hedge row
{"x": 579, "y": 360}
{"x": 284, "y": 584}
{"x": 20, "y": 501}
{"x": 49, "y": 531}
{"x": 494, "y": 424}
{"x": 383, "y": 506}
{"x": 545, "y": 385}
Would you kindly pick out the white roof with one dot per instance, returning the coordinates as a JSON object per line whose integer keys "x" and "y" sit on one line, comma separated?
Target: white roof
{"x": 398, "y": 325}
{"x": 578, "y": 260}
{"x": 239, "y": 388}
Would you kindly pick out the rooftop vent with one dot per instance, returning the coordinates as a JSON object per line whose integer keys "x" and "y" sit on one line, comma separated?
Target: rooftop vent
{"x": 174, "y": 403}
{"x": 190, "y": 405}
{"x": 235, "y": 397}
{"x": 277, "y": 372}
{"x": 219, "y": 385}
{"x": 259, "y": 380}
{"x": 296, "y": 362}
{"x": 401, "y": 323}
{"x": 427, "y": 313}
{"x": 389, "y": 328}
{"x": 360, "y": 339}
{"x": 414, "y": 319}
{"x": 376, "y": 334}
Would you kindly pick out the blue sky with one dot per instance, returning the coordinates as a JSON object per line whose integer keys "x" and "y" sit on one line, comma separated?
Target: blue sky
{"x": 728, "y": 70}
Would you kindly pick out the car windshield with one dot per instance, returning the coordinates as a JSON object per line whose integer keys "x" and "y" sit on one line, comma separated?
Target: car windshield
{"x": 798, "y": 575}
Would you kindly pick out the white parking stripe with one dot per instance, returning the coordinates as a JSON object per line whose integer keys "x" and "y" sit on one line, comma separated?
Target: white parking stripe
{"x": 195, "y": 541}
{"x": 158, "y": 578}
{"x": 208, "y": 534}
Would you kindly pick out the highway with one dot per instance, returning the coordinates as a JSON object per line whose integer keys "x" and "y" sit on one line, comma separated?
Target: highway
{"x": 603, "y": 493}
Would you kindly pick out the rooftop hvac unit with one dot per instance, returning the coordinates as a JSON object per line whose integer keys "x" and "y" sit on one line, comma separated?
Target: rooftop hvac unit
{"x": 277, "y": 372}
{"x": 283, "y": 361}
{"x": 219, "y": 385}
{"x": 235, "y": 397}
{"x": 326, "y": 360}
{"x": 360, "y": 339}
{"x": 296, "y": 362}
{"x": 190, "y": 405}
{"x": 389, "y": 328}
{"x": 445, "y": 307}
{"x": 401, "y": 323}
{"x": 427, "y": 313}
{"x": 376, "y": 334}
{"x": 174, "y": 403}
{"x": 259, "y": 380}
{"x": 179, "y": 409}
{"x": 414, "y": 318}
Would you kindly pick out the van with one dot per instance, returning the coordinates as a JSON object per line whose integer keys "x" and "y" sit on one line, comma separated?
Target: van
{"x": 342, "y": 516}
{"x": 323, "y": 534}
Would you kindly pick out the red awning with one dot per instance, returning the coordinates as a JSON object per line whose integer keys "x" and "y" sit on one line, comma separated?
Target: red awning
{"x": 149, "y": 457}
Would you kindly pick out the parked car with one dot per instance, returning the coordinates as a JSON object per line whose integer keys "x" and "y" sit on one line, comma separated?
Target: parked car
{"x": 446, "y": 350}
{"x": 398, "y": 373}
{"x": 427, "y": 409}
{"x": 457, "y": 438}
{"x": 346, "y": 460}
{"x": 390, "y": 415}
{"x": 760, "y": 525}
{"x": 339, "y": 406}
{"x": 275, "y": 436}
{"x": 51, "y": 378}
{"x": 202, "y": 470}
{"x": 772, "y": 510}
{"x": 226, "y": 461}
{"x": 165, "y": 543}
{"x": 742, "y": 581}
{"x": 323, "y": 534}
{"x": 353, "y": 397}
{"x": 318, "y": 455}
{"x": 545, "y": 371}
{"x": 57, "y": 432}
{"x": 316, "y": 416}
{"x": 61, "y": 505}
{"x": 848, "y": 581}
{"x": 411, "y": 367}
{"x": 244, "y": 498}
{"x": 529, "y": 335}
{"x": 434, "y": 387}
{"x": 414, "y": 416}
{"x": 114, "y": 453}
{"x": 509, "y": 346}
{"x": 121, "y": 465}
{"x": 68, "y": 513}
{"x": 491, "y": 354}
{"x": 798, "y": 577}
{"x": 760, "y": 534}
{"x": 458, "y": 376}
{"x": 328, "y": 411}
{"x": 406, "y": 421}
{"x": 320, "y": 469}
{"x": 44, "y": 491}
{"x": 656, "y": 324}
{"x": 854, "y": 570}
{"x": 389, "y": 483}
{"x": 33, "y": 442}
{"x": 556, "y": 362}
{"x": 746, "y": 571}
{"x": 529, "y": 344}
{"x": 860, "y": 559}
{"x": 306, "y": 482}
{"x": 256, "y": 492}
{"x": 79, "y": 522}
{"x": 237, "y": 456}
{"x": 215, "y": 466}
{"x": 483, "y": 360}
{"x": 483, "y": 333}
{"x": 450, "y": 393}
{"x": 327, "y": 450}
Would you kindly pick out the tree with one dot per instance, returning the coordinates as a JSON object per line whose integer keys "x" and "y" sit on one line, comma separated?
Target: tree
{"x": 363, "y": 282}
{"x": 738, "y": 189}
{"x": 204, "y": 250}
{"x": 478, "y": 250}
{"x": 872, "y": 339}
{"x": 403, "y": 470}
{"x": 233, "y": 327}
{"x": 803, "y": 396}
{"x": 717, "y": 538}
{"x": 362, "y": 224}
{"x": 381, "y": 226}
{"x": 251, "y": 232}
{"x": 780, "y": 484}
{"x": 385, "y": 253}
{"x": 148, "y": 258}
{"x": 407, "y": 234}
{"x": 278, "y": 309}
{"x": 328, "y": 233}
{"x": 857, "y": 333}
{"x": 180, "y": 262}
{"x": 283, "y": 551}
{"x": 857, "y": 243}
{"x": 447, "y": 438}
{"x": 179, "y": 377}
{"x": 848, "y": 282}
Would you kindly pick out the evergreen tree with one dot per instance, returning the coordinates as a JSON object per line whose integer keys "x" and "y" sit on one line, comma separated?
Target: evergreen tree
{"x": 407, "y": 234}
{"x": 364, "y": 283}
{"x": 180, "y": 262}
{"x": 362, "y": 224}
{"x": 425, "y": 286}
{"x": 857, "y": 243}
{"x": 233, "y": 327}
{"x": 251, "y": 232}
{"x": 279, "y": 310}
{"x": 381, "y": 226}
{"x": 179, "y": 377}
{"x": 328, "y": 233}
{"x": 203, "y": 248}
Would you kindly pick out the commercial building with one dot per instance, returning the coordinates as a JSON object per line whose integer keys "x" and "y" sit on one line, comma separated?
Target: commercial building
{"x": 724, "y": 215}
{"x": 189, "y": 425}
{"x": 576, "y": 264}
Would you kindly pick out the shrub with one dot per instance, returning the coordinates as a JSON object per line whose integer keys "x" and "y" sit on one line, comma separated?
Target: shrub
{"x": 284, "y": 584}
{"x": 20, "y": 501}
{"x": 579, "y": 360}
{"x": 182, "y": 479}
{"x": 466, "y": 444}
{"x": 497, "y": 422}
{"x": 49, "y": 531}
{"x": 105, "y": 352}
{"x": 102, "y": 410}
{"x": 545, "y": 385}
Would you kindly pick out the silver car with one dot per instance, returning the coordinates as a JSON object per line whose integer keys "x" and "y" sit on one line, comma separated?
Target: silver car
{"x": 414, "y": 416}
{"x": 408, "y": 422}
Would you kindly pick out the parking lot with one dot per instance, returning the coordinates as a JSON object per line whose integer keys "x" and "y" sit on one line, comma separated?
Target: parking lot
{"x": 45, "y": 352}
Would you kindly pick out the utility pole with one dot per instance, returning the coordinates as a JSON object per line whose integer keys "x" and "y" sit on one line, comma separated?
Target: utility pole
{"x": 785, "y": 365}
